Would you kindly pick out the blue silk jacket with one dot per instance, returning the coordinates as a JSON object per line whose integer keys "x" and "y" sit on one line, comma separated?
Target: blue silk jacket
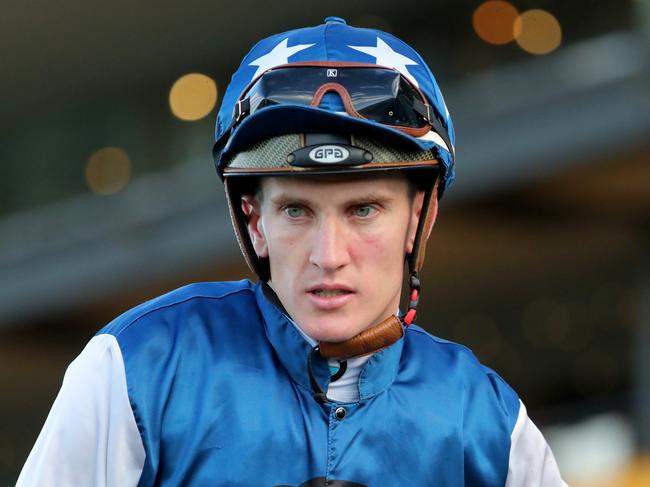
{"x": 209, "y": 386}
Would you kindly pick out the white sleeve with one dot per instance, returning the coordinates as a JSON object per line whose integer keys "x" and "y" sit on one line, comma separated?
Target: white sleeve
{"x": 531, "y": 461}
{"x": 90, "y": 437}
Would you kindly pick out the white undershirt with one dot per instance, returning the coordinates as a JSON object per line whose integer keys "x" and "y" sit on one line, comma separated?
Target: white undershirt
{"x": 344, "y": 389}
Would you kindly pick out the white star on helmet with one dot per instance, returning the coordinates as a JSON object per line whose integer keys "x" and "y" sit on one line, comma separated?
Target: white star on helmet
{"x": 385, "y": 56}
{"x": 279, "y": 55}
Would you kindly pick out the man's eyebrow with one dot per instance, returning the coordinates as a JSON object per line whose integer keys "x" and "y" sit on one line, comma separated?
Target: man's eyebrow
{"x": 379, "y": 197}
{"x": 284, "y": 199}
{"x": 358, "y": 199}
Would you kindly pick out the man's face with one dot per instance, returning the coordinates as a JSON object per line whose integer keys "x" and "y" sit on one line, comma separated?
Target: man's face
{"x": 336, "y": 248}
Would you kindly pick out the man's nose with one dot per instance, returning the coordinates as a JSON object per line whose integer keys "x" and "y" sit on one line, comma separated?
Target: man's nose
{"x": 329, "y": 247}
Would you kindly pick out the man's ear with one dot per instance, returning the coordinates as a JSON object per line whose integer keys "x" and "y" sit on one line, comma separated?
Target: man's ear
{"x": 415, "y": 218}
{"x": 250, "y": 206}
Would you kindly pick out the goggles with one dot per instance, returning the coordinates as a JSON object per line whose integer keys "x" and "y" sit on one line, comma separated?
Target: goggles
{"x": 368, "y": 92}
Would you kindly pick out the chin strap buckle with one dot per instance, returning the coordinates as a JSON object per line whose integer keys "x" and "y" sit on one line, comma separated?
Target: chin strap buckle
{"x": 414, "y": 298}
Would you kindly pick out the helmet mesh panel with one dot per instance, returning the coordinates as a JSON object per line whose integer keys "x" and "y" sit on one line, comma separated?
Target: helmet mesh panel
{"x": 272, "y": 153}
{"x": 389, "y": 153}
{"x": 268, "y": 153}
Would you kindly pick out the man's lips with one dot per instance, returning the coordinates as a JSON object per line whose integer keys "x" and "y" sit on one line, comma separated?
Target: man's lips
{"x": 329, "y": 293}
{"x": 330, "y": 288}
{"x": 330, "y": 296}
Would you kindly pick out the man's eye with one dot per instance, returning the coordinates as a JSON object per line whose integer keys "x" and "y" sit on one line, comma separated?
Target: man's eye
{"x": 363, "y": 211}
{"x": 294, "y": 212}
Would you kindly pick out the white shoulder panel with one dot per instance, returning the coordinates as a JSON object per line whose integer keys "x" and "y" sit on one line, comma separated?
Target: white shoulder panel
{"x": 90, "y": 437}
{"x": 531, "y": 461}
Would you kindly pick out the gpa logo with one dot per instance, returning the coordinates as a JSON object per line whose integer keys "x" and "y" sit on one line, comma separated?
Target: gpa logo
{"x": 329, "y": 154}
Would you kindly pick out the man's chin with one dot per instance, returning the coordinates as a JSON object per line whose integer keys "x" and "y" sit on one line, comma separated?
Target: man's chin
{"x": 332, "y": 333}
{"x": 335, "y": 338}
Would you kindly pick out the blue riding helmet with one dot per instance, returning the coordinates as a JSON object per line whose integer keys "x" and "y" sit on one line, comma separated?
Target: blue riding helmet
{"x": 273, "y": 92}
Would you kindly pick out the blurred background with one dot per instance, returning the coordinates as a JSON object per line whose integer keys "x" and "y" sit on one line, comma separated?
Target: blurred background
{"x": 539, "y": 261}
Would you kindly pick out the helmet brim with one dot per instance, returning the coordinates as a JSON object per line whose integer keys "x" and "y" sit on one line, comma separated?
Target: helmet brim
{"x": 285, "y": 119}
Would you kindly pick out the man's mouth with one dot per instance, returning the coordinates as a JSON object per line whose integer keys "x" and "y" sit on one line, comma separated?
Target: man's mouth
{"x": 329, "y": 293}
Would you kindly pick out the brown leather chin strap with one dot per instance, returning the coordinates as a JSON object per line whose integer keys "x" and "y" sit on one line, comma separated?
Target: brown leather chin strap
{"x": 368, "y": 341}
{"x": 379, "y": 336}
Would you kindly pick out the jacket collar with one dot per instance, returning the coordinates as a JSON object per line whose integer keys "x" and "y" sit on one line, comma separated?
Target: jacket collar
{"x": 293, "y": 350}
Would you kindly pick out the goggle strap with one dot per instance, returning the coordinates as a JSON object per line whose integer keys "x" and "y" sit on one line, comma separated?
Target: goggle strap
{"x": 424, "y": 110}
{"x": 241, "y": 109}
{"x": 428, "y": 113}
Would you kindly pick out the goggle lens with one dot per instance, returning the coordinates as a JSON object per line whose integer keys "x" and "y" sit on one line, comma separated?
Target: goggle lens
{"x": 377, "y": 94}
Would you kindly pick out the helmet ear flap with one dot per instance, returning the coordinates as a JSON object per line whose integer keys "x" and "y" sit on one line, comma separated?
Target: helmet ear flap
{"x": 427, "y": 218}
{"x": 251, "y": 208}
{"x": 234, "y": 192}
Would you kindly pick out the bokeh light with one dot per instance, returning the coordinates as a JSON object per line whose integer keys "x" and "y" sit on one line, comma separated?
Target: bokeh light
{"x": 494, "y": 21}
{"x": 596, "y": 451}
{"x": 537, "y": 31}
{"x": 193, "y": 96}
{"x": 108, "y": 170}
